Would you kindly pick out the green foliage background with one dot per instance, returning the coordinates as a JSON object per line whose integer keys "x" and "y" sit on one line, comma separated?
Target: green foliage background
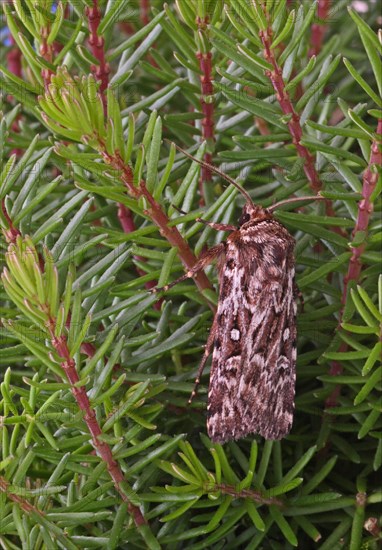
{"x": 65, "y": 171}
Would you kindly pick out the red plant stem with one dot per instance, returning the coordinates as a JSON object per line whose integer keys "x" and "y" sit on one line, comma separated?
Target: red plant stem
{"x": 243, "y": 493}
{"x": 125, "y": 217}
{"x": 69, "y": 366}
{"x": 14, "y": 66}
{"x": 11, "y": 232}
{"x": 158, "y": 217}
{"x": 14, "y": 58}
{"x": 275, "y": 76}
{"x": 318, "y": 29}
{"x": 46, "y": 51}
{"x": 126, "y": 27}
{"x": 262, "y": 126}
{"x": 365, "y": 209}
{"x": 174, "y": 238}
{"x": 20, "y": 501}
{"x": 88, "y": 349}
{"x": 101, "y": 72}
{"x": 145, "y": 11}
{"x": 207, "y": 107}
{"x": 294, "y": 125}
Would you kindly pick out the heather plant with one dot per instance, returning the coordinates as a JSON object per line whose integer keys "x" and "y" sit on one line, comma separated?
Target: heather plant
{"x": 99, "y": 446}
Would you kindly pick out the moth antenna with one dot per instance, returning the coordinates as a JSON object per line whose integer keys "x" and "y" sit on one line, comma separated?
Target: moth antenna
{"x": 179, "y": 209}
{"x": 215, "y": 170}
{"x": 295, "y": 199}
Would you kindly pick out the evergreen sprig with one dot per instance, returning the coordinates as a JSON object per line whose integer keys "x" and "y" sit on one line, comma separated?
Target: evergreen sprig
{"x": 99, "y": 447}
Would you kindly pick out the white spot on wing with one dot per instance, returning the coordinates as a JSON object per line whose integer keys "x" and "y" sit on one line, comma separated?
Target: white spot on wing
{"x": 235, "y": 334}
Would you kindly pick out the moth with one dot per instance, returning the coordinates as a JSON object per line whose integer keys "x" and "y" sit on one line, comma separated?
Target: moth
{"x": 253, "y": 335}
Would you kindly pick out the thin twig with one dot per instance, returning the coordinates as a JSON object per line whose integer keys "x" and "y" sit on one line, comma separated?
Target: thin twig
{"x": 242, "y": 493}
{"x": 14, "y": 58}
{"x": 101, "y": 72}
{"x": 318, "y": 29}
{"x": 145, "y": 11}
{"x": 14, "y": 66}
{"x": 11, "y": 232}
{"x": 24, "y": 504}
{"x": 158, "y": 216}
{"x": 46, "y": 51}
{"x": 365, "y": 210}
{"x": 294, "y": 125}
{"x": 207, "y": 107}
{"x": 79, "y": 392}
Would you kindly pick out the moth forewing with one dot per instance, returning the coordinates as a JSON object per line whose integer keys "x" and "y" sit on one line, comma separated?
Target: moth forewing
{"x": 252, "y": 376}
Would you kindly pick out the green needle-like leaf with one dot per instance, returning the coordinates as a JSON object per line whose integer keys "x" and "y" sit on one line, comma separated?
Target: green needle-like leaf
{"x": 99, "y": 446}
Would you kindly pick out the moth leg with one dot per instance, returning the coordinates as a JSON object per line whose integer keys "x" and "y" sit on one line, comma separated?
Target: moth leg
{"x": 205, "y": 259}
{"x": 179, "y": 209}
{"x": 298, "y": 294}
{"x": 206, "y": 354}
{"x": 217, "y": 226}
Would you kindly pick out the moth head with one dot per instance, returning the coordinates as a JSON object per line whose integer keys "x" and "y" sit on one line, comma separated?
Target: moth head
{"x": 253, "y": 212}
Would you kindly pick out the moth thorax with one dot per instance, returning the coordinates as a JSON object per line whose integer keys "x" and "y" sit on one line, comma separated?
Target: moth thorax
{"x": 253, "y": 212}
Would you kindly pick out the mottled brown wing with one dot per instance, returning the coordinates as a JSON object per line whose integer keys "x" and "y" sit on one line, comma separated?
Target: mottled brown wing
{"x": 252, "y": 377}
